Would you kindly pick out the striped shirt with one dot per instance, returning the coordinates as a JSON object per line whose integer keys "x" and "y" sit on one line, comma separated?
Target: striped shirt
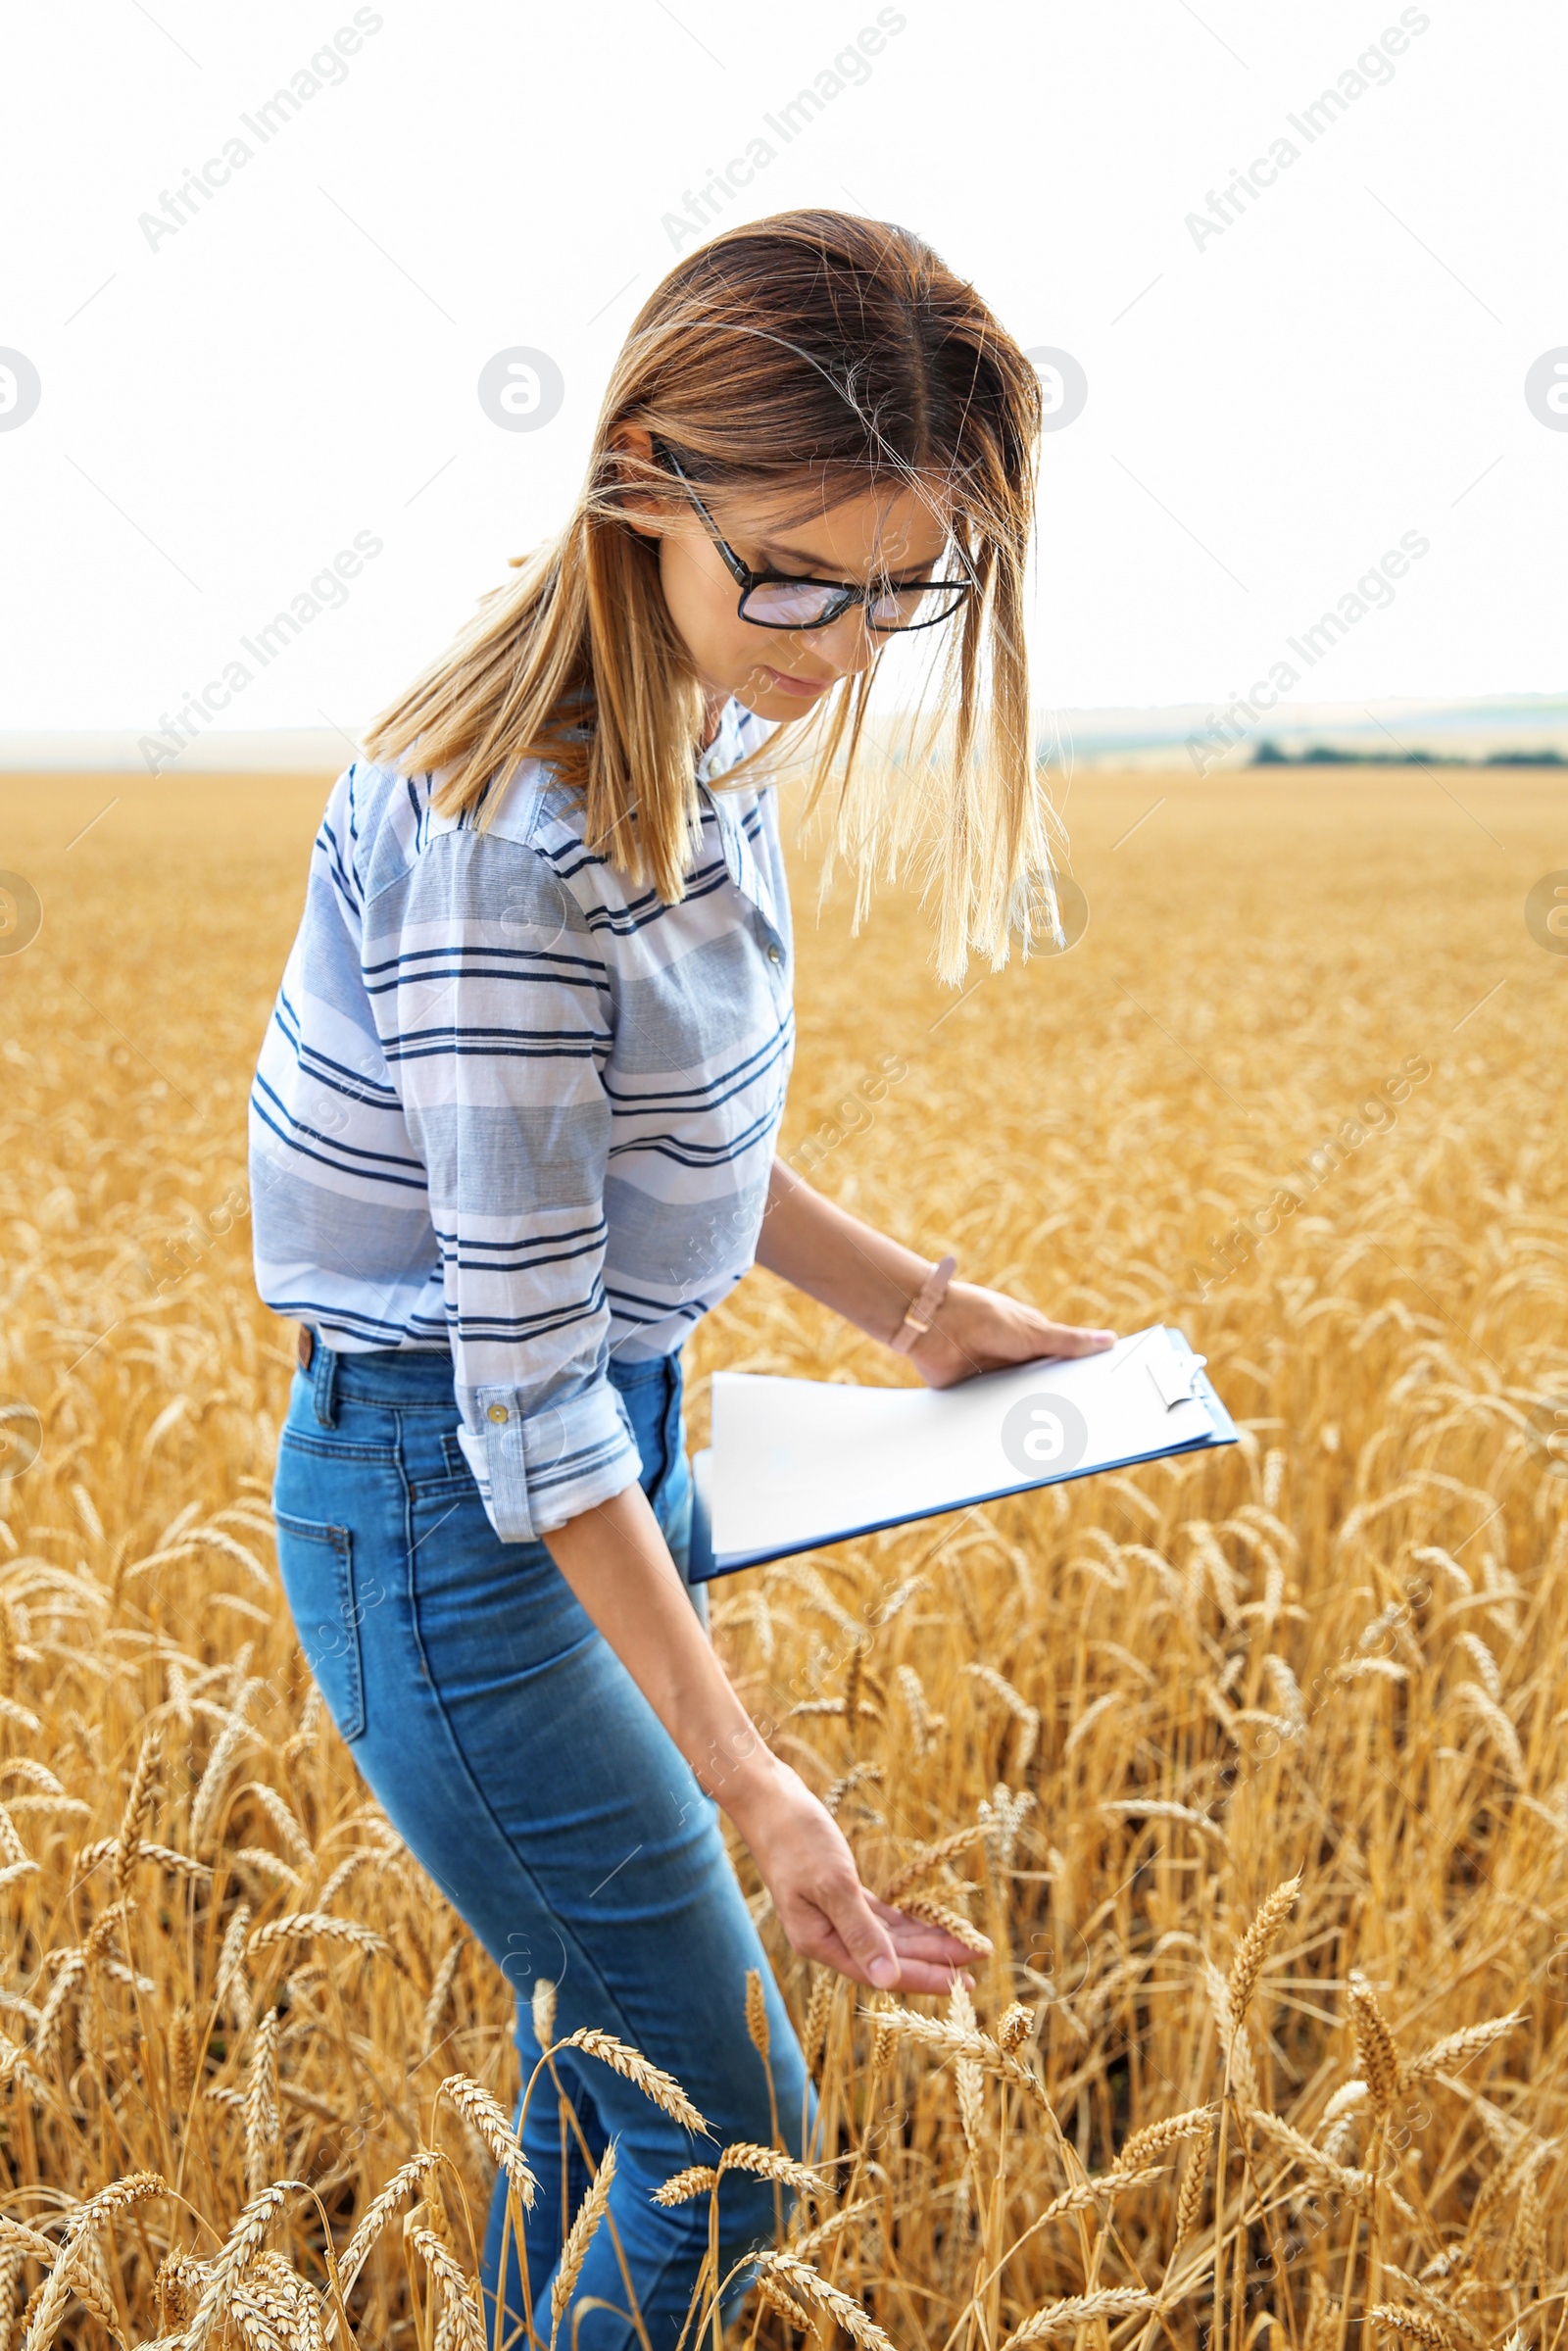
{"x": 508, "y": 1105}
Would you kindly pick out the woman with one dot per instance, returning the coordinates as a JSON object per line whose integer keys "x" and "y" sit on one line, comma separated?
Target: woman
{"x": 513, "y": 1133}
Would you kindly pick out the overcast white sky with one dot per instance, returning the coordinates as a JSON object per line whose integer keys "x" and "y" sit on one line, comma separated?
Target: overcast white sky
{"x": 222, "y": 412}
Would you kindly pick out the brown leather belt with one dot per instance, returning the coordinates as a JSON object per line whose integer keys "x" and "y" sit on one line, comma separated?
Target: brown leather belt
{"x": 305, "y": 1349}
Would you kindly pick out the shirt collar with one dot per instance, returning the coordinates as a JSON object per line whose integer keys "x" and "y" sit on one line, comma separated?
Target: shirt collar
{"x": 730, "y": 745}
{"x": 727, "y": 745}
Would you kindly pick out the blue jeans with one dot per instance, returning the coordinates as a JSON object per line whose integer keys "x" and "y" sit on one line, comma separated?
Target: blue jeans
{"x": 517, "y": 1759}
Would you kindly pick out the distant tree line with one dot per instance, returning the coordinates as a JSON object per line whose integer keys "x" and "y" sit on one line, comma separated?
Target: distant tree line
{"x": 1329, "y": 755}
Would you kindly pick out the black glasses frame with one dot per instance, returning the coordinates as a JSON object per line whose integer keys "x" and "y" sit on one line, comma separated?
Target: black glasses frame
{"x": 746, "y": 579}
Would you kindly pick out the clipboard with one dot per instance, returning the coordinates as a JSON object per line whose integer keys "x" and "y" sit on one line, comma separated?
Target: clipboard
{"x": 796, "y": 1465}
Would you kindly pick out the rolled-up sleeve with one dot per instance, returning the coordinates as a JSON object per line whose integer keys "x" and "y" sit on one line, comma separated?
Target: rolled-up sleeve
{"x": 495, "y": 1013}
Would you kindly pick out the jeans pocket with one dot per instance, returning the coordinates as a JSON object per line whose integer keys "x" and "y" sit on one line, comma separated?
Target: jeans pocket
{"x": 317, "y": 1565}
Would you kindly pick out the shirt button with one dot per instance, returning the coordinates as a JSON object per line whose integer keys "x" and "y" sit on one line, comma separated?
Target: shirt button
{"x": 773, "y": 955}
{"x": 499, "y": 1412}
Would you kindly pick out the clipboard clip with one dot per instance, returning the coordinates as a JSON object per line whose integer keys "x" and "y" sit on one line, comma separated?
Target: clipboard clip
{"x": 1175, "y": 1376}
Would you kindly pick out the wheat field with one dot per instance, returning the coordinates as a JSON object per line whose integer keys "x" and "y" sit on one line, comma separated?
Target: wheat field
{"x": 1254, "y": 1767}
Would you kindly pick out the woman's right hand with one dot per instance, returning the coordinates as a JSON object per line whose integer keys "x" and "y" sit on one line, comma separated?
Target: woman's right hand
{"x": 824, "y": 1910}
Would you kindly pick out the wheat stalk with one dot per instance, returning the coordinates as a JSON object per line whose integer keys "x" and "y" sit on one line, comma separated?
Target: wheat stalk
{"x": 282, "y": 1819}
{"x": 178, "y": 2285}
{"x": 1421, "y": 2294}
{"x": 215, "y": 1780}
{"x": 1026, "y": 1716}
{"x": 967, "y": 2073}
{"x": 774, "y": 2293}
{"x": 1013, "y": 2028}
{"x": 92, "y": 2293}
{"x": 260, "y": 2316}
{"x": 346, "y": 1870}
{"x": 230, "y": 1989}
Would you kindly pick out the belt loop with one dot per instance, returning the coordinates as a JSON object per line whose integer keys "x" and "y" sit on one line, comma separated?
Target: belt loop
{"x": 323, "y": 1385}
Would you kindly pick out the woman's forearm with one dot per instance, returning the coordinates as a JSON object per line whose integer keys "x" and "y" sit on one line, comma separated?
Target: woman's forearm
{"x": 837, "y": 1258}
{"x": 871, "y": 1281}
{"x": 618, "y": 1566}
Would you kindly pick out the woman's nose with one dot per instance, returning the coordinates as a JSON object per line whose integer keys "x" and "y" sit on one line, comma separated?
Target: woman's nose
{"x": 845, "y": 645}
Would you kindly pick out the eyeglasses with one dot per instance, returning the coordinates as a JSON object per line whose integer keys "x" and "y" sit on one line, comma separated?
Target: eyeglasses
{"x": 774, "y": 599}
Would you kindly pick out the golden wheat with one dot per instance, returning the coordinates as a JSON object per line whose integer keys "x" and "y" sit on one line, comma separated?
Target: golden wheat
{"x": 1418, "y": 2325}
{"x": 769, "y": 2163}
{"x": 457, "y": 2296}
{"x": 696, "y": 2180}
{"x": 1097, "y": 1722}
{"x": 799, "y": 2279}
{"x": 1076, "y": 2310}
{"x": 473, "y": 2101}
{"x": 663, "y": 2089}
{"x": 757, "y": 2016}
{"x": 585, "y": 2223}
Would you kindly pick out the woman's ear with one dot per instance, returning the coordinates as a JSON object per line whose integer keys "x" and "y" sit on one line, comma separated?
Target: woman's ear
{"x": 636, "y": 442}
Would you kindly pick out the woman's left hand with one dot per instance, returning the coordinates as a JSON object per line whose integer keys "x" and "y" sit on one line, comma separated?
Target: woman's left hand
{"x": 980, "y": 1330}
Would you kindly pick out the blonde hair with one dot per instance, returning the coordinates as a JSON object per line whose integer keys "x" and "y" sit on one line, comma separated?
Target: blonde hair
{"x": 817, "y": 353}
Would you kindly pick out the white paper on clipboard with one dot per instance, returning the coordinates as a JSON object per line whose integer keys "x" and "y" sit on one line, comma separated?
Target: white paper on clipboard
{"x": 796, "y": 1464}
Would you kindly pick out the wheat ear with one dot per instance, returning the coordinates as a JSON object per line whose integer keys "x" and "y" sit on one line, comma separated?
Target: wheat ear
{"x": 696, "y": 2180}
{"x": 1375, "y": 2042}
{"x": 756, "y": 2015}
{"x": 799, "y": 2279}
{"x": 457, "y": 2297}
{"x": 1079, "y": 2310}
{"x": 654, "y": 2083}
{"x": 380, "y": 2211}
{"x": 767, "y": 2163}
{"x": 1155, "y": 2137}
{"x": 1255, "y": 1947}
{"x": 590, "y": 2212}
{"x": 490, "y": 2121}
{"x": 1418, "y": 2325}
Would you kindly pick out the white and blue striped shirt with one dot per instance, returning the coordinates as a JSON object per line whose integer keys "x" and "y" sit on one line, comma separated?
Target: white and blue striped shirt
{"x": 510, "y": 1106}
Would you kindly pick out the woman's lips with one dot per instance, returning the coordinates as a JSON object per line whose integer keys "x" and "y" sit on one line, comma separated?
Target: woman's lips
{"x": 804, "y": 689}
